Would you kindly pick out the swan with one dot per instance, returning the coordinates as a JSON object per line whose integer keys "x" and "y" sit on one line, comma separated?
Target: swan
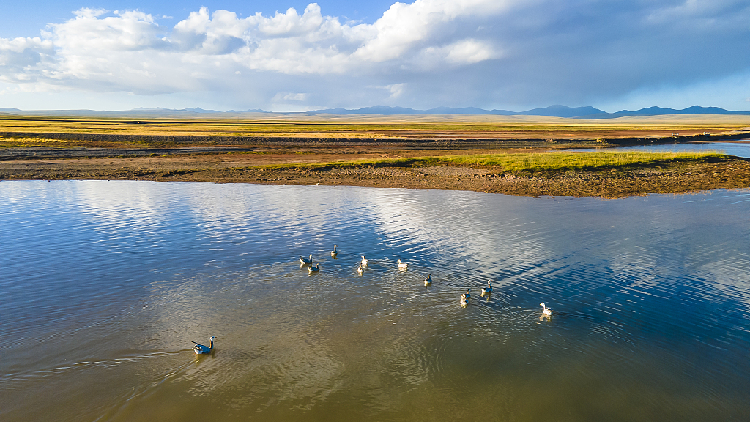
{"x": 486, "y": 291}
{"x": 364, "y": 262}
{"x": 402, "y": 265}
{"x": 305, "y": 261}
{"x": 428, "y": 280}
{"x": 203, "y": 350}
{"x": 465, "y": 298}
{"x": 314, "y": 269}
{"x": 334, "y": 252}
{"x": 360, "y": 270}
{"x": 546, "y": 312}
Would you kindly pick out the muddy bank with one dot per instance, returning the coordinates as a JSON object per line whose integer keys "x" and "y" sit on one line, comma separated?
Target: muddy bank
{"x": 728, "y": 173}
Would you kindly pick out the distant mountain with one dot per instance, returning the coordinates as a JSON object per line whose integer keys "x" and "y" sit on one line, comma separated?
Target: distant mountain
{"x": 587, "y": 112}
{"x": 563, "y": 111}
{"x": 552, "y": 111}
{"x": 658, "y": 111}
{"x": 134, "y": 113}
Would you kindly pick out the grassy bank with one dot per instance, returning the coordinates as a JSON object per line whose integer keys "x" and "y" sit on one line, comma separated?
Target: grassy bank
{"x": 546, "y": 161}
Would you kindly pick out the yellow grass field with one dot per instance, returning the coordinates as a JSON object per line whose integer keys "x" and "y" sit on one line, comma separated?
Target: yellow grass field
{"x": 383, "y": 127}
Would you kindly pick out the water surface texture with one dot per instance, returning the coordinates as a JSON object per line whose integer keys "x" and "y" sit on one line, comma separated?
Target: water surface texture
{"x": 103, "y": 285}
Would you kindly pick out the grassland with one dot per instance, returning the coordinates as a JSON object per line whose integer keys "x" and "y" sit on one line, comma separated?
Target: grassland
{"x": 517, "y": 155}
{"x": 378, "y": 127}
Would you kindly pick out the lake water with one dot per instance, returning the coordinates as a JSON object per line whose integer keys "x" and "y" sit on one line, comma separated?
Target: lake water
{"x": 738, "y": 149}
{"x": 103, "y": 286}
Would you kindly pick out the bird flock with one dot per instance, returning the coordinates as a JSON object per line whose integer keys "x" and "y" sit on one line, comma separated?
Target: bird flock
{"x": 362, "y": 265}
{"x": 403, "y": 266}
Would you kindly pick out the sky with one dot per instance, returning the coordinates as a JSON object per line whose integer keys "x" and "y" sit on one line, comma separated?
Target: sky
{"x": 291, "y": 55}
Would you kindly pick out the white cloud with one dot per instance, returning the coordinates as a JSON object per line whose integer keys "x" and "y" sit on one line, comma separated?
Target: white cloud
{"x": 128, "y": 50}
{"x": 405, "y": 27}
{"x": 486, "y": 53}
{"x": 294, "y": 96}
{"x": 396, "y": 90}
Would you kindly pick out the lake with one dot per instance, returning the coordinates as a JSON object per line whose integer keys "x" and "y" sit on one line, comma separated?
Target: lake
{"x": 105, "y": 284}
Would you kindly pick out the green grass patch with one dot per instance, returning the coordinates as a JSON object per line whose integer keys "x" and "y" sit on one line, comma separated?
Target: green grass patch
{"x": 562, "y": 161}
{"x": 544, "y": 161}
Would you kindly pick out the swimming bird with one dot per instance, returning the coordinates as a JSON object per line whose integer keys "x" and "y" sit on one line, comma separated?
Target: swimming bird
{"x": 402, "y": 265}
{"x": 428, "y": 280}
{"x": 203, "y": 350}
{"x": 360, "y": 270}
{"x": 486, "y": 291}
{"x": 314, "y": 269}
{"x": 465, "y": 298}
{"x": 334, "y": 252}
{"x": 364, "y": 262}
{"x": 546, "y": 312}
{"x": 305, "y": 261}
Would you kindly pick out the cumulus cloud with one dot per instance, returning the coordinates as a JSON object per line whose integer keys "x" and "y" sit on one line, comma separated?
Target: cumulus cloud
{"x": 396, "y": 90}
{"x": 21, "y": 59}
{"x": 448, "y": 52}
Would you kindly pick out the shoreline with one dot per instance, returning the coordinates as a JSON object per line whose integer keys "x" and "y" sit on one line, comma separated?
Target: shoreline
{"x": 723, "y": 173}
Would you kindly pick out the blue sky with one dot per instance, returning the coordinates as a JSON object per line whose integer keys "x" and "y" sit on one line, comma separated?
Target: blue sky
{"x": 295, "y": 55}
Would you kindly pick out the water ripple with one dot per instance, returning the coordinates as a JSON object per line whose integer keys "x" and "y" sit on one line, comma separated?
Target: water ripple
{"x": 652, "y": 294}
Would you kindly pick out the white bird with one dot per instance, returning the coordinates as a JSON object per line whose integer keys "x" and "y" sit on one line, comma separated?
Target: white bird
{"x": 486, "y": 291}
{"x": 465, "y": 298}
{"x": 428, "y": 280}
{"x": 402, "y": 265}
{"x": 203, "y": 350}
{"x": 364, "y": 262}
{"x": 313, "y": 269}
{"x": 360, "y": 270}
{"x": 546, "y": 312}
{"x": 334, "y": 252}
{"x": 305, "y": 261}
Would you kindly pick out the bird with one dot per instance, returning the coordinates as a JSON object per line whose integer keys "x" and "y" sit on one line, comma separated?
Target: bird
{"x": 305, "y": 261}
{"x": 546, "y": 312}
{"x": 428, "y": 280}
{"x": 203, "y": 350}
{"x": 360, "y": 270}
{"x": 314, "y": 269}
{"x": 402, "y": 265}
{"x": 364, "y": 262}
{"x": 334, "y": 252}
{"x": 465, "y": 298}
{"x": 486, "y": 291}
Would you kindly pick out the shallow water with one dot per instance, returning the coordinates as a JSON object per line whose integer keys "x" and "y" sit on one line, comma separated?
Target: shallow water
{"x": 104, "y": 285}
{"x": 738, "y": 149}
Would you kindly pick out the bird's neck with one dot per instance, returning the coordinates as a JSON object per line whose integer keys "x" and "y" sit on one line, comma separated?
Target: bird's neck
{"x": 211, "y": 346}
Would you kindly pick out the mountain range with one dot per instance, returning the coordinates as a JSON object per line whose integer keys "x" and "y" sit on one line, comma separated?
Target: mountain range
{"x": 552, "y": 111}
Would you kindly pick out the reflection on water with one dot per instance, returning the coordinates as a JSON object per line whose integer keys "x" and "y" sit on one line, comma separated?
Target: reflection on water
{"x": 105, "y": 284}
